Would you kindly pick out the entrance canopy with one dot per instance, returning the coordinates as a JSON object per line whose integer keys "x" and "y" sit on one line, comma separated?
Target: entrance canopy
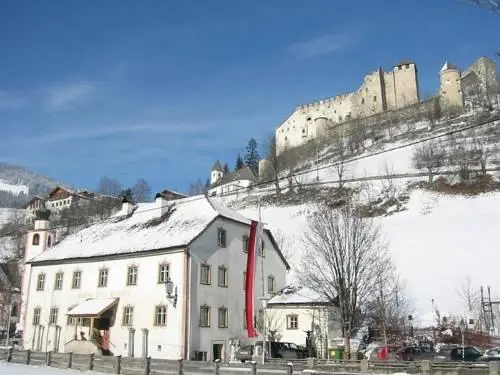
{"x": 92, "y": 308}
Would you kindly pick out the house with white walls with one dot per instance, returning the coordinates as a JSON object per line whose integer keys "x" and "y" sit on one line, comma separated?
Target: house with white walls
{"x": 296, "y": 310}
{"x": 163, "y": 279}
{"x": 236, "y": 182}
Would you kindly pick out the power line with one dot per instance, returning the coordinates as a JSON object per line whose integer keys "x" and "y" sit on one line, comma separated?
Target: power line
{"x": 342, "y": 162}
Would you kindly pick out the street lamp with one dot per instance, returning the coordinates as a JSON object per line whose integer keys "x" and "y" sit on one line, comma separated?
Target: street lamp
{"x": 171, "y": 296}
{"x": 264, "y": 300}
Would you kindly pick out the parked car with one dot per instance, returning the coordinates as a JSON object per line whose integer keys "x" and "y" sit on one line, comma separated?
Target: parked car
{"x": 491, "y": 355}
{"x": 415, "y": 353}
{"x": 457, "y": 354}
{"x": 287, "y": 350}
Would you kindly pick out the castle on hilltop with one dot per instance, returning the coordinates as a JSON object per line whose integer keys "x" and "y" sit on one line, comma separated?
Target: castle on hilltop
{"x": 382, "y": 91}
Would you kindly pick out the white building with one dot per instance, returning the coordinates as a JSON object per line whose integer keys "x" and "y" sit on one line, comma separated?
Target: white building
{"x": 229, "y": 183}
{"x": 295, "y": 310}
{"x": 113, "y": 276}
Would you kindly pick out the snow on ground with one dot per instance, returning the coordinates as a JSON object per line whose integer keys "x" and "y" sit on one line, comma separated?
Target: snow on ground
{"x": 9, "y": 214}
{"x": 14, "y": 189}
{"x": 436, "y": 244}
{"x": 14, "y": 369}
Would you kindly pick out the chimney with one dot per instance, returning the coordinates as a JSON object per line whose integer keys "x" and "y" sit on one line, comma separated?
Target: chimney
{"x": 161, "y": 204}
{"x": 127, "y": 207}
{"x": 42, "y": 219}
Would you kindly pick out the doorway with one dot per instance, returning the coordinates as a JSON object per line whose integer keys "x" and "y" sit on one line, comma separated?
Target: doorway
{"x": 217, "y": 351}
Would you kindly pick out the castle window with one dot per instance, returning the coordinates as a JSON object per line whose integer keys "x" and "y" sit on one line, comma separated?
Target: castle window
{"x": 363, "y": 101}
{"x": 36, "y": 239}
{"x": 374, "y": 98}
{"x": 49, "y": 241}
{"x": 407, "y": 66}
{"x": 286, "y": 138}
{"x": 308, "y": 119}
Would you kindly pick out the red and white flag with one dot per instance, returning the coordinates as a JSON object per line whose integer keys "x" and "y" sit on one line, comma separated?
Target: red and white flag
{"x": 254, "y": 244}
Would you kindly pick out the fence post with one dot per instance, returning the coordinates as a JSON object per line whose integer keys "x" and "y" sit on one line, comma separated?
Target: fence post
{"x": 91, "y": 362}
{"x": 118, "y": 364}
{"x": 425, "y": 367}
{"x": 289, "y": 368}
{"x": 364, "y": 365}
{"x": 147, "y": 368}
{"x": 28, "y": 357}
{"x": 254, "y": 367}
{"x": 181, "y": 366}
{"x": 70, "y": 360}
{"x": 493, "y": 366}
{"x": 217, "y": 367}
{"x": 9, "y": 354}
{"x": 48, "y": 358}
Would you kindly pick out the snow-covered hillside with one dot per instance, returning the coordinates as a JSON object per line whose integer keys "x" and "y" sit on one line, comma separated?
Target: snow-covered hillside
{"x": 14, "y": 189}
{"x": 436, "y": 243}
{"x": 8, "y": 215}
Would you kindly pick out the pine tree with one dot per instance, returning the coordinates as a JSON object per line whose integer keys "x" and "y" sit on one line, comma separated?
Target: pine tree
{"x": 239, "y": 163}
{"x": 252, "y": 156}
{"x": 226, "y": 169}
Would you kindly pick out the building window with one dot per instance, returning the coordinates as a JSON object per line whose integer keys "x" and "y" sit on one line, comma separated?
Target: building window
{"x": 244, "y": 280}
{"x": 245, "y": 319}
{"x": 163, "y": 273}
{"x": 292, "y": 322}
{"x": 262, "y": 250}
{"x": 103, "y": 278}
{"x": 53, "y": 316}
{"x": 221, "y": 237}
{"x": 36, "y": 239}
{"x": 128, "y": 315}
{"x": 271, "y": 285}
{"x": 205, "y": 277}
{"x": 245, "y": 240}
{"x": 223, "y": 317}
{"x": 132, "y": 275}
{"x": 59, "y": 281}
{"x": 161, "y": 316}
{"x": 36, "y": 316}
{"x": 222, "y": 276}
{"x": 374, "y": 98}
{"x": 362, "y": 100}
{"x": 49, "y": 240}
{"x": 40, "y": 284}
{"x": 77, "y": 280}
{"x": 205, "y": 316}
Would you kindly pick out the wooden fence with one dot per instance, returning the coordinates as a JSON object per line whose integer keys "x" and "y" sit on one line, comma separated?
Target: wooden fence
{"x": 148, "y": 366}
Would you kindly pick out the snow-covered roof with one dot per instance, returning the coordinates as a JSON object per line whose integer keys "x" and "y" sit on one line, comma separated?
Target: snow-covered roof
{"x": 297, "y": 295}
{"x": 242, "y": 174}
{"x": 143, "y": 230}
{"x": 92, "y": 307}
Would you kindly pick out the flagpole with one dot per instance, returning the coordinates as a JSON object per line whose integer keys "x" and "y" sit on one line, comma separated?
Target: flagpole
{"x": 264, "y": 323}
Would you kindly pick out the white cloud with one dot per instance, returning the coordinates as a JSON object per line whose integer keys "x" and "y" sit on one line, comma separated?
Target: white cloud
{"x": 65, "y": 96}
{"x": 321, "y": 45}
{"x": 10, "y": 101}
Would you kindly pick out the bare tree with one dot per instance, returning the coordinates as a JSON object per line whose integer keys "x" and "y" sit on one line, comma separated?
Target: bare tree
{"x": 196, "y": 188}
{"x": 389, "y": 189}
{"x": 109, "y": 186}
{"x": 271, "y": 154}
{"x": 462, "y": 156}
{"x": 273, "y": 323}
{"x": 471, "y": 298}
{"x": 141, "y": 191}
{"x": 340, "y": 148}
{"x": 429, "y": 156}
{"x": 344, "y": 262}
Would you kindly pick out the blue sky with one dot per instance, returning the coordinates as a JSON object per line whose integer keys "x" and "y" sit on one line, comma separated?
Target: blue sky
{"x": 160, "y": 89}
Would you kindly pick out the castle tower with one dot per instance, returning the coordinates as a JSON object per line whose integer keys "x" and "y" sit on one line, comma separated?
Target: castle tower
{"x": 38, "y": 240}
{"x": 406, "y": 84}
{"x": 217, "y": 173}
{"x": 450, "y": 87}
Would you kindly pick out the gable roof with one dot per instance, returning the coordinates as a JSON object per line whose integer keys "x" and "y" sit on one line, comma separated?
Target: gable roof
{"x": 144, "y": 230}
{"x": 242, "y": 174}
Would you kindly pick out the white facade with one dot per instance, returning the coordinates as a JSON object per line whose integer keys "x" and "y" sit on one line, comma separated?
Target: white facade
{"x": 233, "y": 187}
{"x": 182, "y": 334}
{"x": 229, "y": 183}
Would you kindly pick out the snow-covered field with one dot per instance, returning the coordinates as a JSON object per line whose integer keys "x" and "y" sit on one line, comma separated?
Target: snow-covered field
{"x": 437, "y": 243}
{"x": 7, "y": 215}
{"x": 14, "y": 189}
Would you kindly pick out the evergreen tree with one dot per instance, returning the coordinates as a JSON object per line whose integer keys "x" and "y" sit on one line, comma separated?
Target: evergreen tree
{"x": 239, "y": 163}
{"x": 252, "y": 156}
{"x": 127, "y": 194}
{"x": 226, "y": 169}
